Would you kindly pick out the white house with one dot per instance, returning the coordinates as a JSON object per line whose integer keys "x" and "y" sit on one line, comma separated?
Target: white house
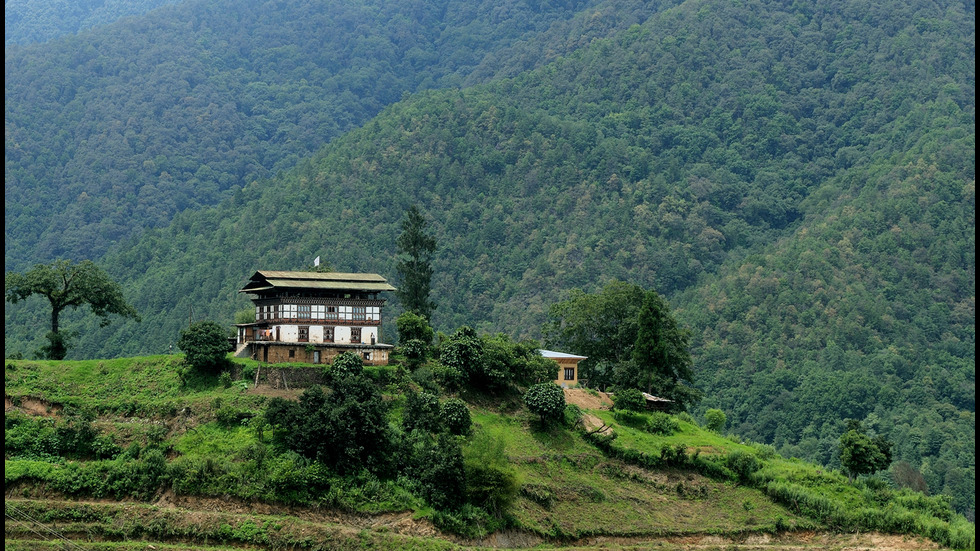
{"x": 311, "y": 317}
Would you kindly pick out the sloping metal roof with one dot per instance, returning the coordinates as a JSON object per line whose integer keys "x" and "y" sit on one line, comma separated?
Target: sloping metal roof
{"x": 652, "y": 398}
{"x": 556, "y": 355}
{"x": 270, "y": 279}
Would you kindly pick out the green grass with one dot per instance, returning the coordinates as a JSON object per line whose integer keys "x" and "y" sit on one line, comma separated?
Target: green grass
{"x": 147, "y": 386}
{"x": 571, "y": 490}
{"x": 570, "y": 486}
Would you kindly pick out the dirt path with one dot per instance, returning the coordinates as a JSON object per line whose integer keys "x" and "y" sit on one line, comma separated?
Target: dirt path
{"x": 586, "y": 400}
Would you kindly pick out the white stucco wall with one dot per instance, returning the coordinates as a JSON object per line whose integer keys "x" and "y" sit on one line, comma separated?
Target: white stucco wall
{"x": 289, "y": 333}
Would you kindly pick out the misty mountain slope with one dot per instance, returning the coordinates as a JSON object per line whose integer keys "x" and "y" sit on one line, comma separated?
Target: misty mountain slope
{"x": 112, "y": 131}
{"x": 28, "y": 21}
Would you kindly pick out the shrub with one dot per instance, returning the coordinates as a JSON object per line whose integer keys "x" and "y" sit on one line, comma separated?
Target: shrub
{"x": 743, "y": 464}
{"x": 629, "y": 399}
{"x": 413, "y": 327}
{"x": 425, "y": 378}
{"x": 248, "y": 372}
{"x": 573, "y": 415}
{"x": 686, "y": 417}
{"x": 205, "y": 346}
{"x": 714, "y": 420}
{"x": 346, "y": 364}
{"x": 547, "y": 401}
{"x": 491, "y": 481}
{"x": 231, "y": 417}
{"x": 422, "y": 412}
{"x": 448, "y": 376}
{"x": 436, "y": 467}
{"x": 457, "y": 417}
{"x": 662, "y": 423}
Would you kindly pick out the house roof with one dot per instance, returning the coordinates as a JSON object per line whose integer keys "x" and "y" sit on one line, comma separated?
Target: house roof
{"x": 266, "y": 280}
{"x": 556, "y": 355}
{"x": 652, "y": 398}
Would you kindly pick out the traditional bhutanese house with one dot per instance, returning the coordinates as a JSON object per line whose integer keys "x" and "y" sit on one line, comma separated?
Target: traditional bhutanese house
{"x": 567, "y": 367}
{"x": 311, "y": 317}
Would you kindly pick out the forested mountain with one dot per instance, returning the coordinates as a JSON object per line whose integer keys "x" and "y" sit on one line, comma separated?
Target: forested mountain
{"x": 797, "y": 179}
{"x": 111, "y": 131}
{"x": 26, "y": 21}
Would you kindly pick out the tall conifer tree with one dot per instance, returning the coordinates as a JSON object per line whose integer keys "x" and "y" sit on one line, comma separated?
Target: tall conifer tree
{"x": 415, "y": 250}
{"x": 661, "y": 351}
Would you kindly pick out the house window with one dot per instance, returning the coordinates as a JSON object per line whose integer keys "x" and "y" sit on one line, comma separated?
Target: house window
{"x": 355, "y": 334}
{"x": 304, "y": 333}
{"x": 316, "y": 356}
{"x": 569, "y": 373}
{"x": 359, "y": 313}
{"x": 367, "y": 356}
{"x": 303, "y": 311}
{"x": 331, "y": 312}
{"x": 328, "y": 334}
{"x": 292, "y": 353}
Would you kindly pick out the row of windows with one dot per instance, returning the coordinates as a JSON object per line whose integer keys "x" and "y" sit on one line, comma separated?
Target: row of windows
{"x": 318, "y": 312}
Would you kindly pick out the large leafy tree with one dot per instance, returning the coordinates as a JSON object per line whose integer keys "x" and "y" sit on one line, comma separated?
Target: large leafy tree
{"x": 601, "y": 326}
{"x": 346, "y": 430}
{"x": 68, "y": 285}
{"x": 661, "y": 359}
{"x": 415, "y": 250}
{"x": 862, "y": 454}
{"x": 205, "y": 346}
{"x": 630, "y": 337}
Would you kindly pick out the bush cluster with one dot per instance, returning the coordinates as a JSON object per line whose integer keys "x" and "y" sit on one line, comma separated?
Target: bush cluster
{"x": 47, "y": 438}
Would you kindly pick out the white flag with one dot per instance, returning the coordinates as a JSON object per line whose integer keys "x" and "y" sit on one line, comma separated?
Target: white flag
{"x": 316, "y": 261}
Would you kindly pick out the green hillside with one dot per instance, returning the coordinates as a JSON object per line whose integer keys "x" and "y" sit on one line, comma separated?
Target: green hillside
{"x": 126, "y": 450}
{"x": 797, "y": 180}
{"x": 115, "y": 130}
{"x": 27, "y": 21}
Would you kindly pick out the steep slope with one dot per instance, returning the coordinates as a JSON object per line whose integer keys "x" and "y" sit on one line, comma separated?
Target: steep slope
{"x": 112, "y": 131}
{"x": 799, "y": 180}
{"x": 866, "y": 312}
{"x": 27, "y": 21}
{"x": 127, "y": 451}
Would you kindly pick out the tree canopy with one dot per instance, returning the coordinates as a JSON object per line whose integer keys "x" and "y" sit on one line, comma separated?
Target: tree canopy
{"x": 547, "y": 401}
{"x": 862, "y": 454}
{"x": 205, "y": 345}
{"x": 415, "y": 250}
{"x": 68, "y": 285}
{"x": 661, "y": 356}
{"x": 630, "y": 337}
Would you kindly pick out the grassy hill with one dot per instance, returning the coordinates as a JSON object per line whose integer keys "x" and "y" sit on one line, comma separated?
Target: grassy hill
{"x": 798, "y": 180}
{"x": 191, "y": 465}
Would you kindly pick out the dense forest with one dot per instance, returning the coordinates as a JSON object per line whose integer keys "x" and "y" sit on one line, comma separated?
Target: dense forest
{"x": 798, "y": 180}
{"x": 117, "y": 129}
{"x": 27, "y": 21}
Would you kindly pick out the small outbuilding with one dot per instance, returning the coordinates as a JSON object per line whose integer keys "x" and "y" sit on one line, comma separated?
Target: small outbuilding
{"x": 567, "y": 367}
